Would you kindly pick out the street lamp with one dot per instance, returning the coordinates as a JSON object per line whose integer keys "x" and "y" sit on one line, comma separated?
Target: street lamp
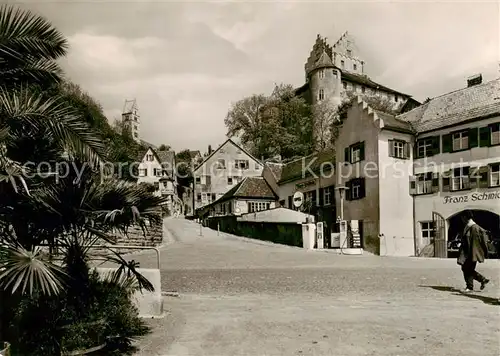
{"x": 341, "y": 190}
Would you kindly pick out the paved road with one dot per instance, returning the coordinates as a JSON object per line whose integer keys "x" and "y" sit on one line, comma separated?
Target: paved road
{"x": 244, "y": 297}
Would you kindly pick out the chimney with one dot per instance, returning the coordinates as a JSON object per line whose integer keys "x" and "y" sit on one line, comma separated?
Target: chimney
{"x": 474, "y": 80}
{"x": 209, "y": 149}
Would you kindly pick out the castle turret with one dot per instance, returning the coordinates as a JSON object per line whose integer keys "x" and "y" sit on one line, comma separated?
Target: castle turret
{"x": 322, "y": 75}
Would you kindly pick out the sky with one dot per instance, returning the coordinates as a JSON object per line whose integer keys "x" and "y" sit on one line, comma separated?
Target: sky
{"x": 186, "y": 62}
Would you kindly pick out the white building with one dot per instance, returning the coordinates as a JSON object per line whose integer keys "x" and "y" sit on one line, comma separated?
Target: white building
{"x": 225, "y": 167}
{"x": 408, "y": 177}
{"x": 158, "y": 168}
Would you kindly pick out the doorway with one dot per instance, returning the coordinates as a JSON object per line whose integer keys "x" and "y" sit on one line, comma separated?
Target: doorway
{"x": 486, "y": 219}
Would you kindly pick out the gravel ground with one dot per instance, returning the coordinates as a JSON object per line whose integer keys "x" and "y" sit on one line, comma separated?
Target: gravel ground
{"x": 244, "y": 297}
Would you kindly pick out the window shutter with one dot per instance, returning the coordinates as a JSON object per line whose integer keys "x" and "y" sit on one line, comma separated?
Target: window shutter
{"x": 435, "y": 182}
{"x": 391, "y": 148}
{"x": 484, "y": 175}
{"x": 346, "y": 154}
{"x": 321, "y": 196}
{"x": 362, "y": 151}
{"x": 446, "y": 181}
{"x": 435, "y": 145}
{"x": 407, "y": 150}
{"x": 415, "y": 150}
{"x": 348, "y": 192}
{"x": 447, "y": 143}
{"x": 413, "y": 185}
{"x": 473, "y": 137}
{"x": 362, "y": 189}
{"x": 484, "y": 136}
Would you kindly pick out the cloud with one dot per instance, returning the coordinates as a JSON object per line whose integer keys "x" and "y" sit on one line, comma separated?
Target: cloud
{"x": 186, "y": 62}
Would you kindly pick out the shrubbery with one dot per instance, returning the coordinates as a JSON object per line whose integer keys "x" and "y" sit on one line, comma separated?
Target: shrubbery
{"x": 42, "y": 325}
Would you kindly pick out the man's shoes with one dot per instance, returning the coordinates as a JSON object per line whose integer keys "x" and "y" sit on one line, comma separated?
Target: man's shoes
{"x": 467, "y": 290}
{"x": 484, "y": 283}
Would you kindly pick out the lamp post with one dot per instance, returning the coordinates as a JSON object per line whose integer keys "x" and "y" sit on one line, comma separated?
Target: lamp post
{"x": 341, "y": 190}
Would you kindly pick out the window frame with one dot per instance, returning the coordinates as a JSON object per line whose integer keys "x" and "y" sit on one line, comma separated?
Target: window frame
{"x": 426, "y": 183}
{"x": 228, "y": 180}
{"x": 327, "y": 192}
{"x": 429, "y": 230}
{"x": 464, "y": 134}
{"x": 491, "y": 172}
{"x": 463, "y": 179}
{"x": 321, "y": 95}
{"x": 395, "y": 147}
{"x": 425, "y": 145}
{"x": 495, "y": 133}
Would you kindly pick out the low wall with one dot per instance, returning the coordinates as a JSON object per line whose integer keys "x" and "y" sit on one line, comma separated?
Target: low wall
{"x": 282, "y": 233}
{"x": 150, "y": 304}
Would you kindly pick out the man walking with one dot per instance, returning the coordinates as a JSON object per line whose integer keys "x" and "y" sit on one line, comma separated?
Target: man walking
{"x": 473, "y": 249}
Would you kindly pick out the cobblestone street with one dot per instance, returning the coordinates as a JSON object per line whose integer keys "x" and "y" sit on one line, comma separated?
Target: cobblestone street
{"x": 244, "y": 297}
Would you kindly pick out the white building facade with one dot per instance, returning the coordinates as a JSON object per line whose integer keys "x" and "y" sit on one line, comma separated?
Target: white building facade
{"x": 407, "y": 178}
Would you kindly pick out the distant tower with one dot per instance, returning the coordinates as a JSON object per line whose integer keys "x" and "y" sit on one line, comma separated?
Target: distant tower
{"x": 131, "y": 120}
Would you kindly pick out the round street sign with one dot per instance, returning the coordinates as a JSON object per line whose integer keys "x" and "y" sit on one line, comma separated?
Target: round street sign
{"x": 298, "y": 199}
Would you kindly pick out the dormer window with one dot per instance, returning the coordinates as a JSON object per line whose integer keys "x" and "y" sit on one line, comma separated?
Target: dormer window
{"x": 354, "y": 66}
{"x": 342, "y": 64}
{"x": 321, "y": 95}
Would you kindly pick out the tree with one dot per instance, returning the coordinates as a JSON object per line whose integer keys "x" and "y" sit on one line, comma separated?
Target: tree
{"x": 164, "y": 147}
{"x": 270, "y": 125}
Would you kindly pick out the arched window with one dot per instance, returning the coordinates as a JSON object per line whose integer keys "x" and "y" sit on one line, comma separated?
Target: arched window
{"x": 321, "y": 95}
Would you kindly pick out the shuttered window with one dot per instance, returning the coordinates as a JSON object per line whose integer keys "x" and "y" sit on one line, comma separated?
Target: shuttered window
{"x": 399, "y": 149}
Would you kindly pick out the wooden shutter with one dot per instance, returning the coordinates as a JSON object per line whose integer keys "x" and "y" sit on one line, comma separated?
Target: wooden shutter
{"x": 415, "y": 150}
{"x": 484, "y": 176}
{"x": 413, "y": 185}
{"x": 348, "y": 192}
{"x": 321, "y": 200}
{"x": 391, "y": 148}
{"x": 435, "y": 182}
{"x": 436, "y": 149}
{"x": 407, "y": 150}
{"x": 473, "y": 177}
{"x": 484, "y": 136}
{"x": 362, "y": 189}
{"x": 447, "y": 143}
{"x": 347, "y": 155}
{"x": 446, "y": 181}
{"x": 473, "y": 137}
{"x": 362, "y": 151}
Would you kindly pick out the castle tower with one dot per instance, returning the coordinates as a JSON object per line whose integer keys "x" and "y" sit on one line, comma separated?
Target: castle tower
{"x": 346, "y": 55}
{"x": 131, "y": 119}
{"x": 323, "y": 78}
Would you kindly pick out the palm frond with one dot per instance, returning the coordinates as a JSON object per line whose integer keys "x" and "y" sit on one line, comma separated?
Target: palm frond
{"x": 128, "y": 269}
{"x": 23, "y": 33}
{"x": 21, "y": 268}
{"x": 61, "y": 120}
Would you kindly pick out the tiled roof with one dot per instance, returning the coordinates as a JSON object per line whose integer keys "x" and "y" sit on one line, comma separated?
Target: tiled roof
{"x": 294, "y": 169}
{"x": 276, "y": 169}
{"x": 166, "y": 156}
{"x": 366, "y": 81}
{"x": 456, "y": 107}
{"x": 250, "y": 187}
{"x": 391, "y": 122}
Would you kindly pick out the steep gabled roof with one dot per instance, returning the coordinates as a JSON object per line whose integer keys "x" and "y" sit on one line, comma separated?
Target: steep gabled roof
{"x": 366, "y": 81}
{"x": 391, "y": 122}
{"x": 166, "y": 158}
{"x": 249, "y": 187}
{"x": 477, "y": 101}
{"x": 218, "y": 148}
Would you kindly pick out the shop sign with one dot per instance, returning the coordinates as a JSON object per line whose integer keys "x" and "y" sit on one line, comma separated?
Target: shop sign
{"x": 473, "y": 197}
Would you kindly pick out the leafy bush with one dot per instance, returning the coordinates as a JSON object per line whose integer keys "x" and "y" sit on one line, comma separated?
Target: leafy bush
{"x": 111, "y": 315}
